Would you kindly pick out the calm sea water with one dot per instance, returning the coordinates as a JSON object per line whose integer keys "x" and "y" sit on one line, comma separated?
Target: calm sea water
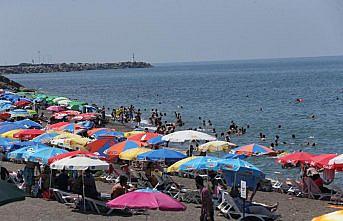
{"x": 225, "y": 91}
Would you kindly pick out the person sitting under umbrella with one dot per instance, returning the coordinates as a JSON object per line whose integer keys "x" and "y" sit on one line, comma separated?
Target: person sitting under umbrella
{"x": 120, "y": 188}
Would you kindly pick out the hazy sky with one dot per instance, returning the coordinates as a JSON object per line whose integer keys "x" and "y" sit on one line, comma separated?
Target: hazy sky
{"x": 168, "y": 30}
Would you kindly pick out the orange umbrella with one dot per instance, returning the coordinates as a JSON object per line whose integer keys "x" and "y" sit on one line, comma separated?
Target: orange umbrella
{"x": 143, "y": 137}
{"x": 116, "y": 149}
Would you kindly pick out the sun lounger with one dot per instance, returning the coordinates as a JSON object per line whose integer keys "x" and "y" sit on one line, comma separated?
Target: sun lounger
{"x": 336, "y": 198}
{"x": 234, "y": 212}
{"x": 64, "y": 197}
{"x": 314, "y": 192}
{"x": 190, "y": 196}
{"x": 97, "y": 206}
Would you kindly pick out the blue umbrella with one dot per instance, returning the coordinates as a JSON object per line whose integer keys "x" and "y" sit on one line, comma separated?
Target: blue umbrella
{"x": 45, "y": 138}
{"x": 43, "y": 155}
{"x": 86, "y": 124}
{"x": 201, "y": 163}
{"x": 103, "y": 133}
{"x": 4, "y": 142}
{"x": 15, "y": 145}
{"x": 235, "y": 170}
{"x": 8, "y": 127}
{"x": 23, "y": 152}
{"x": 19, "y": 113}
{"x": 156, "y": 140}
{"x": 29, "y": 124}
{"x": 162, "y": 155}
{"x": 234, "y": 156}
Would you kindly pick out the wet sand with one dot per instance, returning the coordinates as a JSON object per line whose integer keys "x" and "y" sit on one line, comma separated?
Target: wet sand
{"x": 290, "y": 208}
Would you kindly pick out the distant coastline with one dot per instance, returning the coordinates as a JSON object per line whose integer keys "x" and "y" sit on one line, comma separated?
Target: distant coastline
{"x": 25, "y": 68}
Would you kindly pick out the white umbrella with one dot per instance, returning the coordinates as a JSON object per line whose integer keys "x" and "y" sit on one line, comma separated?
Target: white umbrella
{"x": 79, "y": 163}
{"x": 337, "y": 161}
{"x": 187, "y": 135}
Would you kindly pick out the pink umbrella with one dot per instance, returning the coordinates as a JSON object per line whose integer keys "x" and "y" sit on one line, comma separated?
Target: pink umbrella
{"x": 146, "y": 199}
{"x": 55, "y": 108}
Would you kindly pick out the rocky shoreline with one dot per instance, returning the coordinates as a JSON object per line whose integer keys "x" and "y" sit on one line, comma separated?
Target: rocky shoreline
{"x": 69, "y": 67}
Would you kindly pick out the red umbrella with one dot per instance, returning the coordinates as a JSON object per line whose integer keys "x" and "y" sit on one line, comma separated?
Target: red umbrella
{"x": 295, "y": 158}
{"x": 22, "y": 103}
{"x": 4, "y": 115}
{"x": 28, "y": 134}
{"x": 94, "y": 146}
{"x": 70, "y": 154}
{"x": 92, "y": 131}
{"x": 56, "y": 108}
{"x": 322, "y": 160}
{"x": 142, "y": 137}
{"x": 56, "y": 126}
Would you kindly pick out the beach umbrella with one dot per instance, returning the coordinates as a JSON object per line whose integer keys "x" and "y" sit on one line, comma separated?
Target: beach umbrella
{"x": 28, "y": 134}
{"x": 86, "y": 116}
{"x": 8, "y": 127}
{"x": 79, "y": 163}
{"x": 15, "y": 145}
{"x": 70, "y": 141}
{"x": 86, "y": 124}
{"x": 71, "y": 128}
{"x": 56, "y": 108}
{"x": 128, "y": 134}
{"x": 56, "y": 126}
{"x": 337, "y": 163}
{"x": 167, "y": 155}
{"x": 146, "y": 199}
{"x": 235, "y": 170}
{"x": 132, "y": 154}
{"x": 215, "y": 146}
{"x": 57, "y": 99}
{"x": 176, "y": 166}
{"x": 116, "y": 149}
{"x": 322, "y": 160}
{"x": 43, "y": 155}
{"x": 22, "y": 103}
{"x": 19, "y": 113}
{"x": 187, "y": 135}
{"x": 11, "y": 133}
{"x": 295, "y": 158}
{"x": 46, "y": 137}
{"x": 29, "y": 124}
{"x": 200, "y": 163}
{"x": 142, "y": 137}
{"x": 4, "y": 115}
{"x": 92, "y": 131}
{"x": 108, "y": 133}
{"x": 100, "y": 145}
{"x": 64, "y": 102}
{"x": 156, "y": 140}
{"x": 334, "y": 216}
{"x": 22, "y": 152}
{"x": 253, "y": 149}
{"x": 71, "y": 154}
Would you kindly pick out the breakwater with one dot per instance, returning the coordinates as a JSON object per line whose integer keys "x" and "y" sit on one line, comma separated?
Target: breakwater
{"x": 68, "y": 67}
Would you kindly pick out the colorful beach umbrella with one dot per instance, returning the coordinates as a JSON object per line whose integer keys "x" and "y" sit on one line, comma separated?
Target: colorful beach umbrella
{"x": 253, "y": 149}
{"x": 43, "y": 155}
{"x": 101, "y": 145}
{"x": 86, "y": 116}
{"x": 56, "y": 126}
{"x": 143, "y": 137}
{"x": 128, "y": 134}
{"x": 336, "y": 163}
{"x": 132, "y": 154}
{"x": 19, "y": 113}
{"x": 28, "y": 134}
{"x": 322, "y": 160}
{"x": 156, "y": 140}
{"x": 56, "y": 108}
{"x": 167, "y": 155}
{"x": 200, "y": 163}
{"x": 46, "y": 137}
{"x": 11, "y": 133}
{"x": 22, "y": 152}
{"x": 146, "y": 199}
{"x": 176, "y": 166}
{"x": 29, "y": 124}
{"x": 92, "y": 131}
{"x": 70, "y": 154}
{"x": 334, "y": 216}
{"x": 8, "y": 127}
{"x": 215, "y": 146}
{"x": 187, "y": 135}
{"x": 116, "y": 149}
{"x": 22, "y": 103}
{"x": 295, "y": 158}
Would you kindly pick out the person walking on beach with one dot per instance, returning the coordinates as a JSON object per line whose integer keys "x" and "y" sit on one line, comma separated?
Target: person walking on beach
{"x": 207, "y": 210}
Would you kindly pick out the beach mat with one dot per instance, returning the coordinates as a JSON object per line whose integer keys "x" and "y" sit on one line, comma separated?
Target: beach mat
{"x": 10, "y": 193}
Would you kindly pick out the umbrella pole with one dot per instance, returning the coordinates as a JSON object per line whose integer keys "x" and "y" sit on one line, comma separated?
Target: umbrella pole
{"x": 50, "y": 181}
{"x": 83, "y": 192}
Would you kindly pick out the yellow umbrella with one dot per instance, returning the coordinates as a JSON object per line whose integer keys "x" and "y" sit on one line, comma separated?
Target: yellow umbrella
{"x": 72, "y": 141}
{"x": 214, "y": 146}
{"x": 175, "y": 166}
{"x": 335, "y": 216}
{"x": 9, "y": 134}
{"x": 127, "y": 134}
{"x": 131, "y": 154}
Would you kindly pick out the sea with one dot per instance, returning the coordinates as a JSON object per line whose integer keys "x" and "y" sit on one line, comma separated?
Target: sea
{"x": 260, "y": 93}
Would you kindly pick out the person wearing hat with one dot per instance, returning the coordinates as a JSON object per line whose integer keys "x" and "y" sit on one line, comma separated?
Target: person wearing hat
{"x": 207, "y": 210}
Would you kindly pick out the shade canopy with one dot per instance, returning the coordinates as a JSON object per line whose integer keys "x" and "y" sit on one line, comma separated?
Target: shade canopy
{"x": 200, "y": 163}
{"x": 253, "y": 149}
{"x": 337, "y": 163}
{"x": 132, "y": 154}
{"x": 295, "y": 158}
{"x": 187, "y": 135}
{"x": 214, "y": 146}
{"x": 43, "y": 155}
{"x": 116, "y": 149}
{"x": 176, "y": 166}
{"x": 162, "y": 155}
{"x": 143, "y": 137}
{"x": 146, "y": 199}
{"x": 79, "y": 163}
{"x": 70, "y": 154}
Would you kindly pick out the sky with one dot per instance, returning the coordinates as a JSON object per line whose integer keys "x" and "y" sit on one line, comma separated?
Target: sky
{"x": 168, "y": 30}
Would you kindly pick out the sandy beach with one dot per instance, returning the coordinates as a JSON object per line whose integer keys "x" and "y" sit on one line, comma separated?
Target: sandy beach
{"x": 290, "y": 208}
